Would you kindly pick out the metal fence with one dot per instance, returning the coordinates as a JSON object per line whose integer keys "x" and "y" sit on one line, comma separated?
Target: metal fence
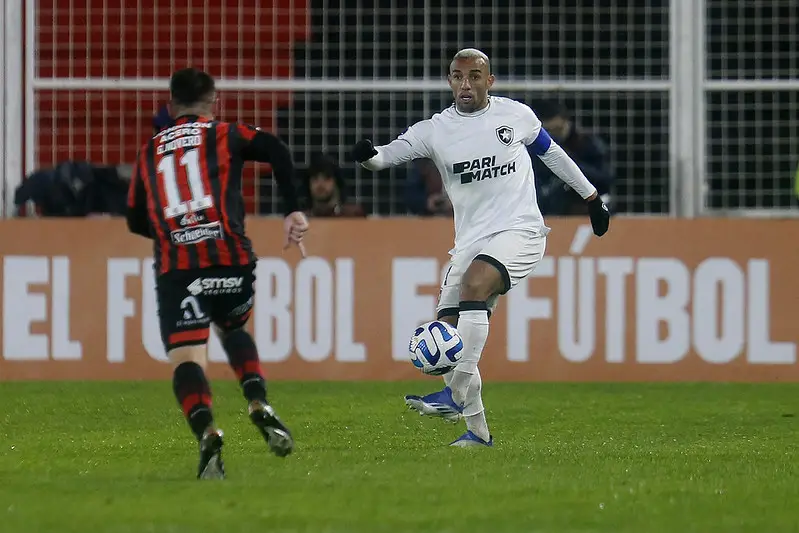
{"x": 698, "y": 100}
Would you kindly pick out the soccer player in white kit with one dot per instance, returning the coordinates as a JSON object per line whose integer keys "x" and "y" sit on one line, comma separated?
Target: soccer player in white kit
{"x": 479, "y": 146}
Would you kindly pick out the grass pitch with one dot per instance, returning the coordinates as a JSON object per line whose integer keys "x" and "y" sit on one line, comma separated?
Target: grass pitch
{"x": 118, "y": 457}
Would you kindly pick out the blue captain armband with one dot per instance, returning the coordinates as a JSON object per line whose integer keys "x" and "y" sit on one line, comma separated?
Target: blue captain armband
{"x": 542, "y": 142}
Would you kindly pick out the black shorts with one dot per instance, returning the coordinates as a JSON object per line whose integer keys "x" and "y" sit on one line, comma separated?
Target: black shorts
{"x": 190, "y": 300}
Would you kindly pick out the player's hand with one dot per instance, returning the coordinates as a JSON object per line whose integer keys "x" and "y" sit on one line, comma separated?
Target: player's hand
{"x": 363, "y": 150}
{"x": 599, "y": 214}
{"x": 295, "y": 225}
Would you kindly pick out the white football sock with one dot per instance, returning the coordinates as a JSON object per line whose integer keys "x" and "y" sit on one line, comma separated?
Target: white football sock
{"x": 475, "y": 414}
{"x": 448, "y": 378}
{"x": 477, "y": 424}
{"x": 465, "y": 380}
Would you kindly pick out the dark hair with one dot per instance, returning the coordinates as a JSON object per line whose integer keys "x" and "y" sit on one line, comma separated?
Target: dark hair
{"x": 549, "y": 109}
{"x": 189, "y": 86}
{"x": 322, "y": 163}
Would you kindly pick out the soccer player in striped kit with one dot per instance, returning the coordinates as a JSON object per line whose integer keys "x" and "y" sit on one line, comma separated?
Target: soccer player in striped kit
{"x": 186, "y": 196}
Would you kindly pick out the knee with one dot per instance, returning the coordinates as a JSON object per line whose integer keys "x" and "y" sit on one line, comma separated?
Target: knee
{"x": 474, "y": 289}
{"x": 188, "y": 354}
{"x": 450, "y": 316}
{"x": 481, "y": 281}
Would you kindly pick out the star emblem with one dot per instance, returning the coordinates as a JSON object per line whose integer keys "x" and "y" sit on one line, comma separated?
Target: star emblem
{"x": 505, "y": 135}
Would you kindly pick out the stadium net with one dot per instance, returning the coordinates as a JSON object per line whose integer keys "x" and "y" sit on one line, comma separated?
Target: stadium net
{"x": 752, "y": 105}
{"x": 323, "y": 74}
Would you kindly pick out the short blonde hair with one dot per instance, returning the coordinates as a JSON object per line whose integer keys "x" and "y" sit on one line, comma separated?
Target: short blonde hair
{"x": 473, "y": 53}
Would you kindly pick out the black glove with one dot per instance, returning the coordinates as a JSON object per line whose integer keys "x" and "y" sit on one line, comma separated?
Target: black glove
{"x": 600, "y": 216}
{"x": 363, "y": 150}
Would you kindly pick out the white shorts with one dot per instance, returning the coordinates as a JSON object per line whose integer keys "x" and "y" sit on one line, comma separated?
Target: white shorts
{"x": 515, "y": 253}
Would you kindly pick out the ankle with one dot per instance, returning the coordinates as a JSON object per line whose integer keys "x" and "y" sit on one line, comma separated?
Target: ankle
{"x": 257, "y": 405}
{"x": 210, "y": 430}
{"x": 253, "y": 386}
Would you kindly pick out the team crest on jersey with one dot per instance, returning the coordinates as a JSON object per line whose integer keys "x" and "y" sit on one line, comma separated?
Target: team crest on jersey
{"x": 505, "y": 135}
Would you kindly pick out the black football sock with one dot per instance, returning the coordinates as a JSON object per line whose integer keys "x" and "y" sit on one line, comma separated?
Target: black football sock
{"x": 243, "y": 358}
{"x": 194, "y": 396}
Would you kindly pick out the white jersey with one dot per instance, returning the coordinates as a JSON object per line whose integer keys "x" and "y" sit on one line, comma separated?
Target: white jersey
{"x": 485, "y": 166}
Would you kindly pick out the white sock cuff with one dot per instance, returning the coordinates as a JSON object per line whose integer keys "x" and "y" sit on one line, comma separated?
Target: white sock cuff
{"x": 474, "y": 410}
{"x": 475, "y": 316}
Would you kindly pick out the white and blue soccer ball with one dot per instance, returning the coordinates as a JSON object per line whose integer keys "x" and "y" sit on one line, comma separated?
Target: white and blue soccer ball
{"x": 435, "y": 348}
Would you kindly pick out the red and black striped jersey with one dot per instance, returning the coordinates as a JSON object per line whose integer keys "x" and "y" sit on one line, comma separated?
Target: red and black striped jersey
{"x": 188, "y": 180}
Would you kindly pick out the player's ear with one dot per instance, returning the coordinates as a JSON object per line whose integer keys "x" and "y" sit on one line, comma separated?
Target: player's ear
{"x": 490, "y": 80}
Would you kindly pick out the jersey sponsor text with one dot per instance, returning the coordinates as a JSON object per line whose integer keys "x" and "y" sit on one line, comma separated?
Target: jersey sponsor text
{"x": 481, "y": 169}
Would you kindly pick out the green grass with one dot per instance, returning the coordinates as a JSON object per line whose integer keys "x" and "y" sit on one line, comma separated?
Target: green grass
{"x": 105, "y": 457}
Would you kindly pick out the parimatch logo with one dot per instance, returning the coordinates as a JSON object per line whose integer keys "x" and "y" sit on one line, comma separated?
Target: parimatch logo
{"x": 482, "y": 169}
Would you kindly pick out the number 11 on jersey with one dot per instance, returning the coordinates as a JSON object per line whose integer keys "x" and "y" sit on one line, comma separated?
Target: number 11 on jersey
{"x": 176, "y": 207}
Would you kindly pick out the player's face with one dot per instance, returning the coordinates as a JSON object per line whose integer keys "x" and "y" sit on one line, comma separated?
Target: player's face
{"x": 470, "y": 81}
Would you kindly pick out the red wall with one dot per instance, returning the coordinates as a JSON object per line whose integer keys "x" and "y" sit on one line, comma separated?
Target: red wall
{"x": 84, "y": 38}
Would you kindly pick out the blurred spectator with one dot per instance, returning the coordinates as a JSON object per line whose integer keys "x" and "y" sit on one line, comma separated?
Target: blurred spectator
{"x": 415, "y": 194}
{"x": 424, "y": 190}
{"x": 325, "y": 190}
{"x": 796, "y": 184}
{"x": 76, "y": 189}
{"x": 587, "y": 150}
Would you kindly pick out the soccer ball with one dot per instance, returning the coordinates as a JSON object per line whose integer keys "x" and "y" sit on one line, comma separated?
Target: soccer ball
{"x": 435, "y": 348}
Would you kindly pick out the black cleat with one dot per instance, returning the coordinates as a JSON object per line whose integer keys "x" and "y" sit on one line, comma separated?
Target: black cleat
{"x": 277, "y": 435}
{"x": 211, "y": 465}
